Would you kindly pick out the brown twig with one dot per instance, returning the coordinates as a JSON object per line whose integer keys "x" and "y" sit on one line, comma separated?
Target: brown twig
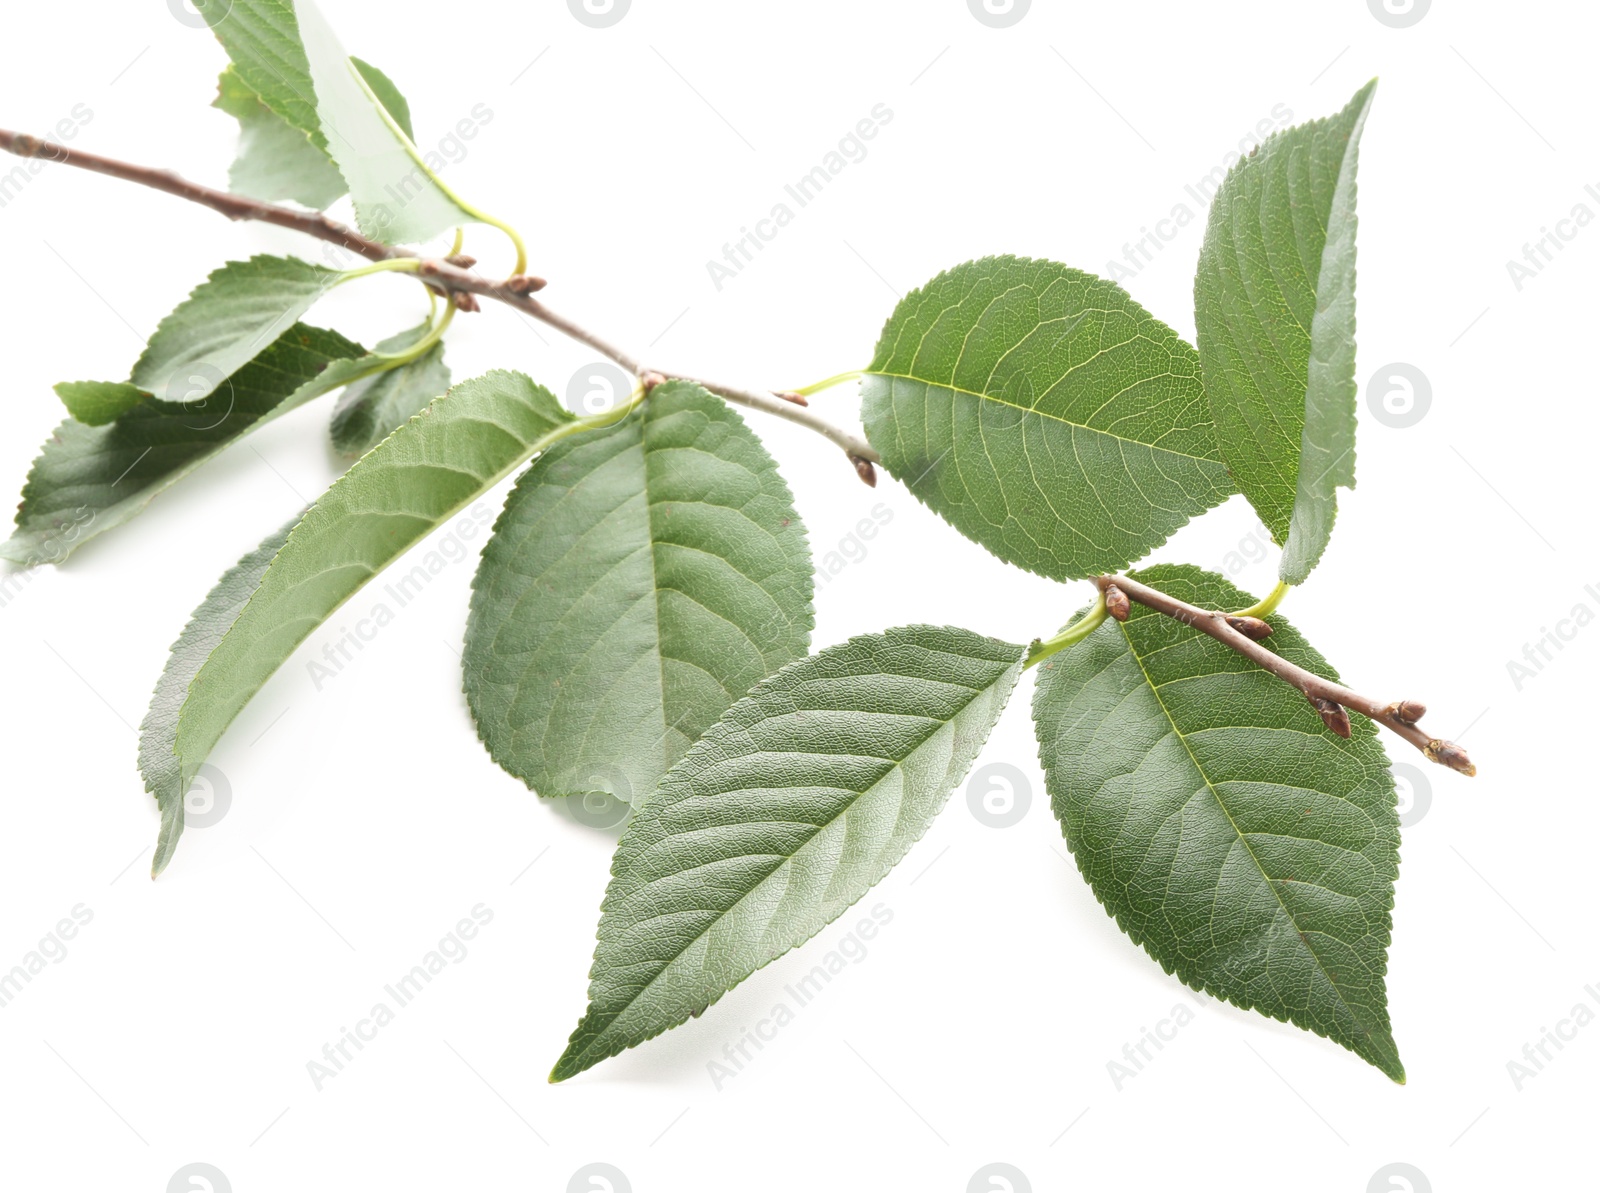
{"x": 1329, "y": 699}
{"x": 446, "y": 275}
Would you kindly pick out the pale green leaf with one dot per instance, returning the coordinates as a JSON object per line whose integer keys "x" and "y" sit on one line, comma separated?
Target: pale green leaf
{"x": 640, "y": 580}
{"x": 416, "y": 479}
{"x": 398, "y": 199}
{"x": 275, "y": 160}
{"x": 206, "y": 628}
{"x": 95, "y": 403}
{"x": 784, "y": 814}
{"x": 370, "y": 409}
{"x": 1275, "y": 308}
{"x": 1247, "y": 848}
{"x": 228, "y": 320}
{"x": 87, "y": 480}
{"x": 1044, "y": 414}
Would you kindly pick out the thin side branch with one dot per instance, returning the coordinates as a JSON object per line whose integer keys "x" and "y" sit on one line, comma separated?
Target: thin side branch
{"x": 444, "y": 275}
{"x": 1330, "y": 699}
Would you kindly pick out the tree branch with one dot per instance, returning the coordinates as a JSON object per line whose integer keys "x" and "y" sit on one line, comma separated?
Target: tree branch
{"x": 515, "y": 292}
{"x": 1329, "y": 698}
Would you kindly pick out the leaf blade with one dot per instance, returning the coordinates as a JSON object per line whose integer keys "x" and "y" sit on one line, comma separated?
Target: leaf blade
{"x": 1230, "y": 834}
{"x": 373, "y": 407}
{"x": 421, "y": 475}
{"x": 87, "y": 480}
{"x": 1275, "y": 313}
{"x": 733, "y": 862}
{"x": 665, "y": 550}
{"x": 1044, "y": 414}
{"x": 96, "y": 403}
{"x": 225, "y": 323}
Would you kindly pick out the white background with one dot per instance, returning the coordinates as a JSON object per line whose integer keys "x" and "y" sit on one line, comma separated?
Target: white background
{"x": 366, "y": 820}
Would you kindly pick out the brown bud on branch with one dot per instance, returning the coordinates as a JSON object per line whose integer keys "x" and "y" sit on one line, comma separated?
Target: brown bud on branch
{"x": 650, "y": 379}
{"x": 522, "y": 284}
{"x": 790, "y": 396}
{"x": 1332, "y": 713}
{"x": 461, "y": 260}
{"x": 1447, "y": 753}
{"x": 1117, "y": 603}
{"x": 865, "y": 470}
{"x": 1252, "y": 628}
{"x": 1408, "y": 712}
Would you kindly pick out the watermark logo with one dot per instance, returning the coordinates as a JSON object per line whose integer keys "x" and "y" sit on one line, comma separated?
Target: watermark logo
{"x": 1151, "y": 1042}
{"x": 597, "y": 388}
{"x": 999, "y": 14}
{"x": 208, "y": 799}
{"x": 999, "y": 795}
{"x": 607, "y": 805}
{"x": 1413, "y": 792}
{"x": 599, "y": 14}
{"x": 999, "y": 1178}
{"x": 50, "y": 950}
{"x": 199, "y": 14}
{"x": 599, "y": 1178}
{"x": 1551, "y": 1043}
{"x": 199, "y": 1178}
{"x": 1399, "y": 1178}
{"x": 1399, "y": 395}
{"x": 1399, "y": 14}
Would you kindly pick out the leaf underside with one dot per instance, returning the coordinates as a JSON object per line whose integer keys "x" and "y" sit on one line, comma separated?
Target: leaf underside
{"x": 1044, "y": 414}
{"x": 1247, "y": 848}
{"x": 205, "y": 629}
{"x": 1276, "y": 317}
{"x": 640, "y": 580}
{"x": 784, "y": 814}
{"x": 421, "y": 475}
{"x": 397, "y": 198}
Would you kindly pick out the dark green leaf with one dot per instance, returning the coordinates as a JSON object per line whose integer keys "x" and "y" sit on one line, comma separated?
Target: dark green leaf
{"x": 1275, "y": 308}
{"x": 640, "y": 580}
{"x": 1248, "y": 849}
{"x": 785, "y": 813}
{"x": 370, "y": 409}
{"x": 1044, "y": 414}
{"x": 87, "y": 480}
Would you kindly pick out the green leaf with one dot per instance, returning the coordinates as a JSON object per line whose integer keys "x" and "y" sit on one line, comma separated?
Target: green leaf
{"x": 784, "y": 814}
{"x": 1247, "y": 848}
{"x": 95, "y": 403}
{"x": 640, "y": 580}
{"x": 1275, "y": 307}
{"x": 369, "y": 410}
{"x": 1044, "y": 414}
{"x": 275, "y": 160}
{"x": 262, "y": 38}
{"x": 420, "y": 476}
{"x": 225, "y": 323}
{"x": 278, "y": 161}
{"x": 88, "y": 479}
{"x": 206, "y": 628}
{"x": 398, "y": 199}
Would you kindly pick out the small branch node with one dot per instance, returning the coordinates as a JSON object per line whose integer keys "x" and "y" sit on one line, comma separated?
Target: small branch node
{"x": 1407, "y": 712}
{"x": 1333, "y": 714}
{"x": 650, "y": 379}
{"x": 1117, "y": 603}
{"x": 1252, "y": 628}
{"x": 522, "y": 284}
{"x": 461, "y": 260}
{"x": 865, "y": 470}
{"x": 788, "y": 395}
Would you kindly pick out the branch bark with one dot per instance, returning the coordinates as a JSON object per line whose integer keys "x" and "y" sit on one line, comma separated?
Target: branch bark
{"x": 514, "y": 292}
{"x": 1399, "y": 717}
